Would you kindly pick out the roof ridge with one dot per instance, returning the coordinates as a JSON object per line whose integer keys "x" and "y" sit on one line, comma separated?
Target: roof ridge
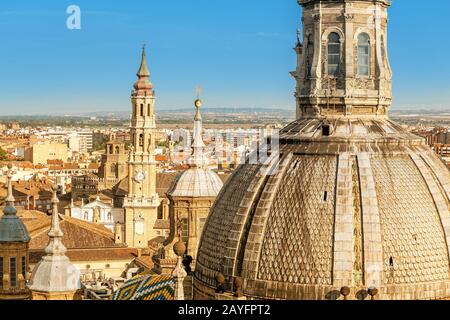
{"x": 88, "y": 226}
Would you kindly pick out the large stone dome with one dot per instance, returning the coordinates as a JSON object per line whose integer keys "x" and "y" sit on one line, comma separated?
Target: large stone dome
{"x": 355, "y": 203}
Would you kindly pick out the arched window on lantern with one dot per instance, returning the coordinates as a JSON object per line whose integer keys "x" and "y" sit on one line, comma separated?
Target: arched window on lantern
{"x": 334, "y": 54}
{"x": 363, "y": 55}
{"x": 383, "y": 51}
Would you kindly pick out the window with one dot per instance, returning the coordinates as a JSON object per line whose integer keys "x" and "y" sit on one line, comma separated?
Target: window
{"x": 142, "y": 110}
{"x": 383, "y": 52}
{"x": 13, "y": 272}
{"x": 363, "y": 55}
{"x": 24, "y": 267}
{"x": 141, "y": 140}
{"x": 326, "y": 130}
{"x": 309, "y": 56}
{"x": 117, "y": 150}
{"x": 149, "y": 110}
{"x": 334, "y": 54}
{"x": 1, "y": 272}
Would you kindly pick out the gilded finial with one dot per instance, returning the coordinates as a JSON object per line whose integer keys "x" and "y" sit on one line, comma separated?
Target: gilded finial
{"x": 198, "y": 91}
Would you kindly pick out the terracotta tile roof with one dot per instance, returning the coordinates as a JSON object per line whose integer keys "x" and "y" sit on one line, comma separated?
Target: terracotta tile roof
{"x": 55, "y": 162}
{"x": 71, "y": 166}
{"x": 19, "y": 164}
{"x": 78, "y": 255}
{"x": 93, "y": 166}
{"x": 78, "y": 234}
{"x": 162, "y": 224}
{"x": 160, "y": 157}
{"x": 32, "y": 188}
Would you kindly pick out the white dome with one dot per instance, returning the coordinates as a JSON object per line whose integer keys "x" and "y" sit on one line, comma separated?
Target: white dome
{"x": 197, "y": 182}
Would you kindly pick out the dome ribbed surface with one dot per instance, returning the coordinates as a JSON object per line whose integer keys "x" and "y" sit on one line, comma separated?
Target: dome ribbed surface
{"x": 365, "y": 206}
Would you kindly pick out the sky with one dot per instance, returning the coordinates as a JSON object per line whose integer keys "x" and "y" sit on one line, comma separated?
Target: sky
{"x": 238, "y": 51}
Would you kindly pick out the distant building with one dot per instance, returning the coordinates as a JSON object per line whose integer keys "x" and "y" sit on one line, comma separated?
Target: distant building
{"x": 84, "y": 186}
{"x": 41, "y": 152}
{"x": 33, "y": 194}
{"x": 86, "y": 140}
{"x": 96, "y": 211}
{"x": 113, "y": 166}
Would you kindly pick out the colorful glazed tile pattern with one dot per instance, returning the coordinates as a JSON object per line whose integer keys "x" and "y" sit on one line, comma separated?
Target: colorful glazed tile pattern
{"x": 148, "y": 287}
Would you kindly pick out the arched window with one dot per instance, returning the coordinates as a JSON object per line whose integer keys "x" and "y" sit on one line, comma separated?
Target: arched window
{"x": 111, "y": 149}
{"x": 141, "y": 140}
{"x": 363, "y": 55}
{"x": 309, "y": 55}
{"x": 383, "y": 51}
{"x": 142, "y": 110}
{"x": 334, "y": 54}
{"x": 117, "y": 150}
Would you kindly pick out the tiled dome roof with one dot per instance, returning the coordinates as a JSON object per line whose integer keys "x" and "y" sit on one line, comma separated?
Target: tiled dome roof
{"x": 12, "y": 228}
{"x": 196, "y": 182}
{"x": 360, "y": 204}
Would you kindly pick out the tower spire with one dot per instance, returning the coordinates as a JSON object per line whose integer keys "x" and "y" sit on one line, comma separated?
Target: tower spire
{"x": 55, "y": 277}
{"x": 55, "y": 246}
{"x": 197, "y": 158}
{"x": 9, "y": 209}
{"x": 143, "y": 83}
{"x": 143, "y": 69}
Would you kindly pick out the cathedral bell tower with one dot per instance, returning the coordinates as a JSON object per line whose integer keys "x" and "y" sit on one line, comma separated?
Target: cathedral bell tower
{"x": 142, "y": 201}
{"x": 343, "y": 67}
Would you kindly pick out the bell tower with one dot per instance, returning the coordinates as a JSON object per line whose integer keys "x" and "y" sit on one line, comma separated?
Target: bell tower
{"x": 141, "y": 203}
{"x": 343, "y": 67}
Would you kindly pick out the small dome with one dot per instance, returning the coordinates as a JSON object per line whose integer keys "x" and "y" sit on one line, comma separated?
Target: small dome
{"x": 55, "y": 274}
{"x": 196, "y": 182}
{"x": 143, "y": 84}
{"x": 12, "y": 228}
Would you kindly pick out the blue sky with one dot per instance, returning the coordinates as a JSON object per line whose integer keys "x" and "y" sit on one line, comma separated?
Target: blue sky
{"x": 239, "y": 51}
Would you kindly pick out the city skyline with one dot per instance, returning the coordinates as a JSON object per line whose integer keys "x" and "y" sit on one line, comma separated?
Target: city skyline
{"x": 209, "y": 44}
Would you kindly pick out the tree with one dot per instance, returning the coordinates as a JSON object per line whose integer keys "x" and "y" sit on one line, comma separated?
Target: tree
{"x": 3, "y": 155}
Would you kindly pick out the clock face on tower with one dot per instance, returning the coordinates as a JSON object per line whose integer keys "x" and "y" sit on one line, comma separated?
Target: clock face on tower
{"x": 139, "y": 176}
